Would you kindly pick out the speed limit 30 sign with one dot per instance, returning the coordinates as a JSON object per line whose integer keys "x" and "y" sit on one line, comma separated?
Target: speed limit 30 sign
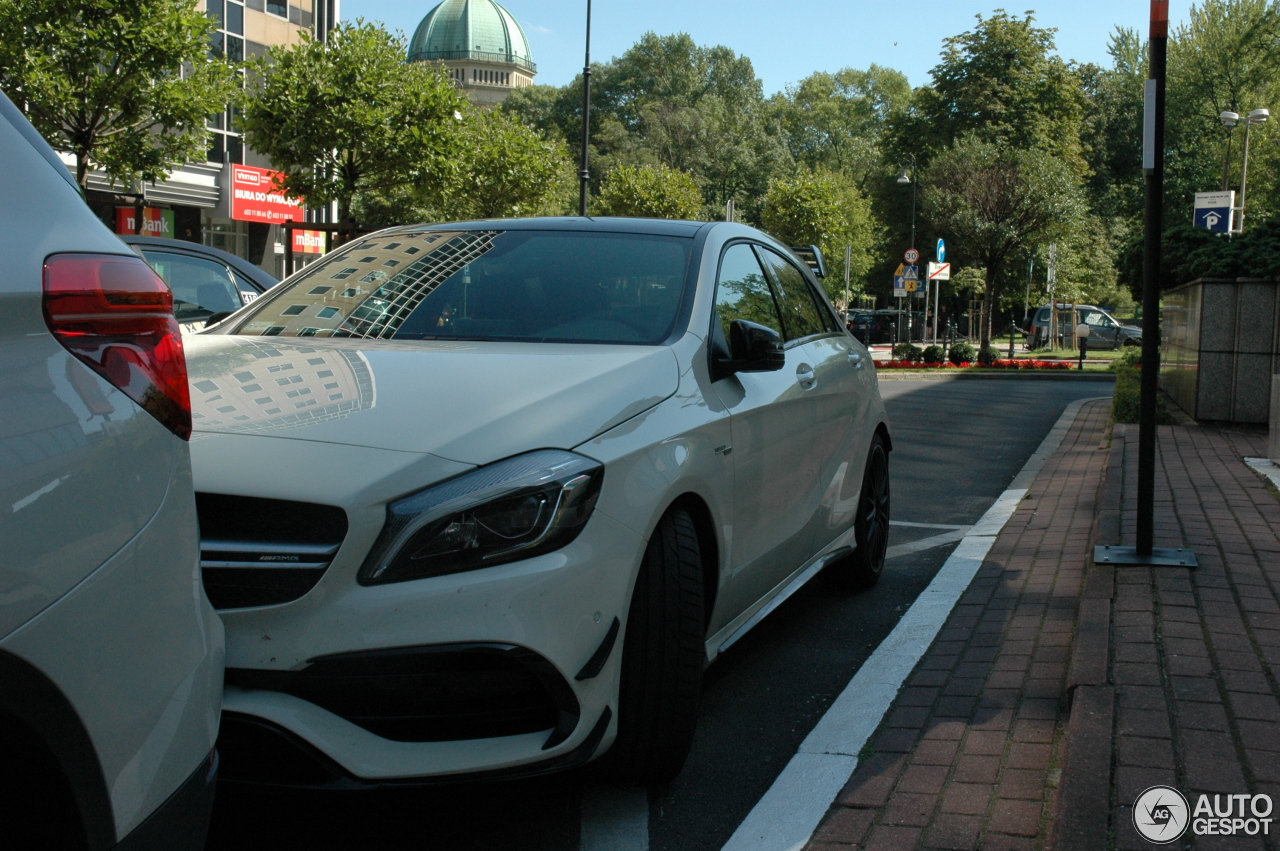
{"x": 911, "y": 255}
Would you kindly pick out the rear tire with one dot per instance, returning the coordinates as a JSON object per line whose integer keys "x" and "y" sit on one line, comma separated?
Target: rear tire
{"x": 662, "y": 657}
{"x": 864, "y": 565}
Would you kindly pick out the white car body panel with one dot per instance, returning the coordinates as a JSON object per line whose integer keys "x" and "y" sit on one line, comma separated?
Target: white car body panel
{"x": 99, "y": 582}
{"x": 481, "y": 401}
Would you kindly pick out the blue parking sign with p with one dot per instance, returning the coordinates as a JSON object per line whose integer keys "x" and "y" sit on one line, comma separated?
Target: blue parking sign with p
{"x": 1213, "y": 211}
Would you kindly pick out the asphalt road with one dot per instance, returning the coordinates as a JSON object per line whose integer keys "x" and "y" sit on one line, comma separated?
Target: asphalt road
{"x": 957, "y": 445}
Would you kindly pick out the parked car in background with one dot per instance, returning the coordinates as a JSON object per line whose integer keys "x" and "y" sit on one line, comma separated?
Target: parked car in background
{"x": 498, "y": 491}
{"x": 205, "y": 281}
{"x": 1104, "y": 331}
{"x": 110, "y": 654}
{"x": 865, "y": 325}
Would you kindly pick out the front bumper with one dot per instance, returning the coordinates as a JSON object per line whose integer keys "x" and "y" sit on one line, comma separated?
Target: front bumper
{"x": 473, "y": 674}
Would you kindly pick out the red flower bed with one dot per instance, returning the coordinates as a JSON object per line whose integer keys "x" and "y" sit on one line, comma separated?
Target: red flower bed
{"x": 999, "y": 364}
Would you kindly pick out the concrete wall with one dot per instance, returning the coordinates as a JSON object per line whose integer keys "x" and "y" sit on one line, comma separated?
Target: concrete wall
{"x": 1220, "y": 347}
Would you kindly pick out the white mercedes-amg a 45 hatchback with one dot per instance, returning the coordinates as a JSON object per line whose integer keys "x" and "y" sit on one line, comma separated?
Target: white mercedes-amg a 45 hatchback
{"x": 484, "y": 499}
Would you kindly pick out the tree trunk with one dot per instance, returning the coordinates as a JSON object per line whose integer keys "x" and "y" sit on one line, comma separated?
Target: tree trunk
{"x": 984, "y": 349}
{"x": 82, "y": 170}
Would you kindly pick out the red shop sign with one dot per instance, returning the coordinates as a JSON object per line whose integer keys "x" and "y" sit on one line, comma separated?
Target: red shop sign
{"x": 256, "y": 197}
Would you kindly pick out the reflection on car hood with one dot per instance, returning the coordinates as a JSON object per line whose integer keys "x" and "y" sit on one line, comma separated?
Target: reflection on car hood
{"x": 472, "y": 402}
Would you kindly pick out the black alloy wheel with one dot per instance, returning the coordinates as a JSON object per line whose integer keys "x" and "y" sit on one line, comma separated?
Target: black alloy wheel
{"x": 864, "y": 565}
{"x": 662, "y": 657}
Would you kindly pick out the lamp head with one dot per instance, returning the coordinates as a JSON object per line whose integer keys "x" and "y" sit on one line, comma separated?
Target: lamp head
{"x": 1259, "y": 116}
{"x": 1229, "y": 119}
{"x": 903, "y": 177}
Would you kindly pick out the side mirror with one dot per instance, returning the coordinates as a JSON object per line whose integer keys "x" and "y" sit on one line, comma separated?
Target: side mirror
{"x": 754, "y": 348}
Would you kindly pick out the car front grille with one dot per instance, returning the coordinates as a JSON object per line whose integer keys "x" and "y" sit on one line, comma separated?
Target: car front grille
{"x": 263, "y": 552}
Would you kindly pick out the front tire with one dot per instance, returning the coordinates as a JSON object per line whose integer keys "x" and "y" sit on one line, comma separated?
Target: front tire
{"x": 662, "y": 657}
{"x": 864, "y": 565}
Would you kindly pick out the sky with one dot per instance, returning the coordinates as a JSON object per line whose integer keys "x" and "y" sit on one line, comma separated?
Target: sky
{"x": 786, "y": 40}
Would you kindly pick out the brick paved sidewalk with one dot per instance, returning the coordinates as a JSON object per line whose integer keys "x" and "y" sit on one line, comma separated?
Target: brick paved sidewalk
{"x": 1194, "y": 656}
{"x": 1058, "y": 690}
{"x": 965, "y": 757}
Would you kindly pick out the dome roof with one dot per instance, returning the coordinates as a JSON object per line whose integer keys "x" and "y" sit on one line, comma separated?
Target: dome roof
{"x": 471, "y": 29}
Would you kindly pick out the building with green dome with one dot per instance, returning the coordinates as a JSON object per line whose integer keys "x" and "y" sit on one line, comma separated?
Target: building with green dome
{"x": 480, "y": 43}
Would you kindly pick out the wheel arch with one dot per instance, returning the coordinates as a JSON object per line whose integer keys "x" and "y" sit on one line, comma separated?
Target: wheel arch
{"x": 882, "y": 429}
{"x": 37, "y": 717}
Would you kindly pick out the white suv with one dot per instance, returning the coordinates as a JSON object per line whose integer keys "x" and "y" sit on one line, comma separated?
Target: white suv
{"x": 110, "y": 654}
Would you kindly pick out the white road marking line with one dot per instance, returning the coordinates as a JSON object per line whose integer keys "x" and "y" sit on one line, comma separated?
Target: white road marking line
{"x": 615, "y": 818}
{"x": 787, "y": 815}
{"x": 927, "y": 543}
{"x": 925, "y": 525}
{"x": 1266, "y": 467}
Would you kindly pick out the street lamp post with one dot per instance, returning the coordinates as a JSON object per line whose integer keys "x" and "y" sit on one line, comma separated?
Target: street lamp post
{"x": 1229, "y": 121}
{"x": 905, "y": 177}
{"x": 1258, "y": 116}
{"x": 585, "y": 174}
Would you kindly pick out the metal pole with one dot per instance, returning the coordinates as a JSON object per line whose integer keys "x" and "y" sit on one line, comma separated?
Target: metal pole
{"x": 585, "y": 174}
{"x": 1226, "y": 159}
{"x": 937, "y": 305}
{"x": 913, "y": 202}
{"x": 1244, "y": 176}
{"x": 1153, "y": 164}
{"x": 1026, "y": 302}
{"x": 848, "y": 257}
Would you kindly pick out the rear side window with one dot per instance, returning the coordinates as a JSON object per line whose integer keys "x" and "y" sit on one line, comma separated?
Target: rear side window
{"x": 1043, "y": 315}
{"x": 200, "y": 287}
{"x": 743, "y": 292}
{"x": 799, "y": 311}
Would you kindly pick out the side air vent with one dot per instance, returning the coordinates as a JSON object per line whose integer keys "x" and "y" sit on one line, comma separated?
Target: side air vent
{"x": 263, "y": 552}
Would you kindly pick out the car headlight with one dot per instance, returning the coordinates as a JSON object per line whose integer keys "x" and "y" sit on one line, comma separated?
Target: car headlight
{"x": 513, "y": 509}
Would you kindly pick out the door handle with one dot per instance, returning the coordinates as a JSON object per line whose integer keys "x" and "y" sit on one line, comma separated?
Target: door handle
{"x": 804, "y": 375}
{"x": 855, "y": 358}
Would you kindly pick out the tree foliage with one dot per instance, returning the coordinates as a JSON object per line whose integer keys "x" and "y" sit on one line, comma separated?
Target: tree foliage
{"x": 997, "y": 200}
{"x": 825, "y": 210}
{"x": 122, "y": 84}
{"x": 1000, "y": 83}
{"x": 507, "y": 170}
{"x": 351, "y": 115}
{"x": 835, "y": 121}
{"x": 651, "y": 192}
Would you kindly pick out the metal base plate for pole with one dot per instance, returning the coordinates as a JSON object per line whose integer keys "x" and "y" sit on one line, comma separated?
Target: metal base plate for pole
{"x": 1158, "y": 557}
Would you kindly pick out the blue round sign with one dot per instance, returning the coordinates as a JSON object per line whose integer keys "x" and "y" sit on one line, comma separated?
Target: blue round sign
{"x": 942, "y": 251}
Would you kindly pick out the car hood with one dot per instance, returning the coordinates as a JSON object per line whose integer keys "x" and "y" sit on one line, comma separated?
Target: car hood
{"x": 472, "y": 402}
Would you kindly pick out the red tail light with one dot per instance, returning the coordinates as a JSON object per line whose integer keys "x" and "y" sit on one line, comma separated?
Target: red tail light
{"x": 116, "y": 315}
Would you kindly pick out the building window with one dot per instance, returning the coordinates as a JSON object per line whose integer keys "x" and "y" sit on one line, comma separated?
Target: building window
{"x": 278, "y": 7}
{"x": 235, "y": 18}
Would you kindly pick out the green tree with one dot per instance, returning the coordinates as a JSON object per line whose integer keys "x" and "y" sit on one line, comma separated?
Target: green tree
{"x": 834, "y": 121}
{"x": 1224, "y": 57}
{"x": 122, "y": 84}
{"x": 351, "y": 115}
{"x": 1111, "y": 131}
{"x": 1001, "y": 83}
{"x": 828, "y": 211}
{"x": 654, "y": 192}
{"x": 507, "y": 170}
{"x": 668, "y": 101}
{"x": 997, "y": 201}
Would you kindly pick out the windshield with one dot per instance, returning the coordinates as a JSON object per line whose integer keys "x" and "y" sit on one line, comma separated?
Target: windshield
{"x": 561, "y": 286}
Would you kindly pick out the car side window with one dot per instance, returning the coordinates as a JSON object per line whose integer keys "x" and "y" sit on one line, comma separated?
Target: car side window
{"x": 801, "y": 317}
{"x": 200, "y": 287}
{"x": 1099, "y": 319}
{"x": 248, "y": 292}
{"x": 1043, "y": 316}
{"x": 742, "y": 292}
